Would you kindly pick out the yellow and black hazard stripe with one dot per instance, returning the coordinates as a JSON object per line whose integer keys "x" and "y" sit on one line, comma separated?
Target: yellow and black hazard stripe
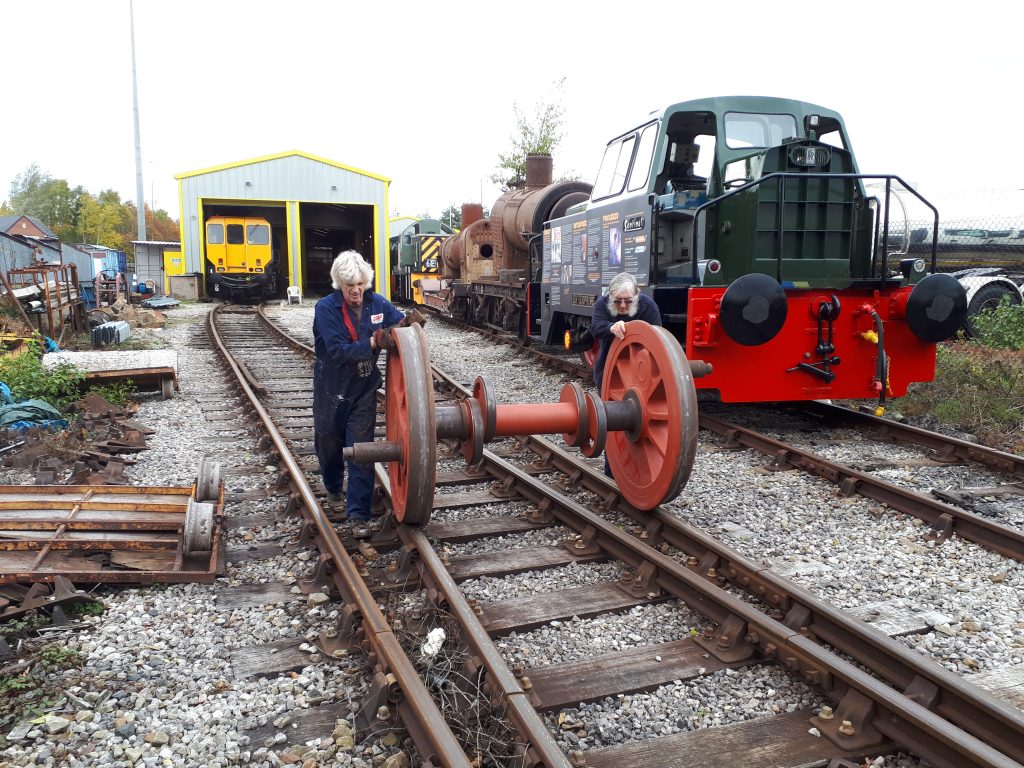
{"x": 430, "y": 253}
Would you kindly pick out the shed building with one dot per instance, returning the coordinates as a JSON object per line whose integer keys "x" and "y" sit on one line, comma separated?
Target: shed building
{"x": 315, "y": 207}
{"x": 156, "y": 261}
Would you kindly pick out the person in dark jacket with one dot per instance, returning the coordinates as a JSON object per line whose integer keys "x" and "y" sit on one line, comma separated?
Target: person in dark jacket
{"x": 350, "y": 327}
{"x": 622, "y": 304}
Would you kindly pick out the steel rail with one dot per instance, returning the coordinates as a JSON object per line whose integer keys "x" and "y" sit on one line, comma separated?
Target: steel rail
{"x": 743, "y": 627}
{"x": 991, "y": 723}
{"x": 944, "y": 517}
{"x": 539, "y": 743}
{"x": 442, "y": 744}
{"x": 980, "y": 713}
{"x": 947, "y": 448}
{"x": 974, "y": 709}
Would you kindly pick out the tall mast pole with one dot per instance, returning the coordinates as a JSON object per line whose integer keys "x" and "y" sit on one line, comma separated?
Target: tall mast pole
{"x": 140, "y": 195}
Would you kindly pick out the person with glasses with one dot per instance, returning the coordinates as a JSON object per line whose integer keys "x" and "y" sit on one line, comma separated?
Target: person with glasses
{"x": 622, "y": 304}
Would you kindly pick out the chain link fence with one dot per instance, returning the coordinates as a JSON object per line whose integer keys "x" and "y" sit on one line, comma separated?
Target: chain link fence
{"x": 979, "y": 384}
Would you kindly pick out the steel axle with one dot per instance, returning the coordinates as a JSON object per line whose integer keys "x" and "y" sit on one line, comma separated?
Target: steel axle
{"x": 648, "y": 421}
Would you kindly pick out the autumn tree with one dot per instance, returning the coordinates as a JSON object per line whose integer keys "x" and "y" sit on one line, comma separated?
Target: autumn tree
{"x": 537, "y": 136}
{"x": 52, "y": 201}
{"x": 76, "y": 216}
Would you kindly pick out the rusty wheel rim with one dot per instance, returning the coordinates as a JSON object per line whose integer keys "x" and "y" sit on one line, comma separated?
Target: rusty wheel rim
{"x": 651, "y": 465}
{"x": 409, "y": 420}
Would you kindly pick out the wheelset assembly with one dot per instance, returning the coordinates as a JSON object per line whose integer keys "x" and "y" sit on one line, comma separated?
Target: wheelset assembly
{"x": 646, "y": 423}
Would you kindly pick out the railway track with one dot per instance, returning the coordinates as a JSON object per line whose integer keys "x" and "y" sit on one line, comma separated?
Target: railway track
{"x": 948, "y": 514}
{"x": 749, "y": 616}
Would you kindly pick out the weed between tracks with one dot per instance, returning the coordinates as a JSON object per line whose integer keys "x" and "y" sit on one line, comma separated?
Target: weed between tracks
{"x": 456, "y": 684}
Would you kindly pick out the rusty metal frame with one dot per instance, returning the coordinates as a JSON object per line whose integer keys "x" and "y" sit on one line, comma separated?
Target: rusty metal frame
{"x": 42, "y": 526}
{"x": 58, "y": 300}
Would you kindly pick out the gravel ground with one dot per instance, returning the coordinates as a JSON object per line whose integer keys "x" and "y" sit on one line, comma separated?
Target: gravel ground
{"x": 170, "y": 697}
{"x": 157, "y": 686}
{"x": 851, "y": 552}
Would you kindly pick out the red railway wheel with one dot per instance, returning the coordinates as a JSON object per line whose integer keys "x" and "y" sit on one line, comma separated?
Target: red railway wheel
{"x": 411, "y": 422}
{"x": 651, "y": 464}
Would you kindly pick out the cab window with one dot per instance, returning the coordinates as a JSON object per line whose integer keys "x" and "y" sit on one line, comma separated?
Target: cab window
{"x": 614, "y": 167}
{"x": 236, "y": 234}
{"x": 746, "y": 129}
{"x": 215, "y": 234}
{"x": 258, "y": 234}
{"x": 644, "y": 154}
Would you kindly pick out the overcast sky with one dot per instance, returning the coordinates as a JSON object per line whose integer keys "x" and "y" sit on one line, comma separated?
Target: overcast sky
{"x": 423, "y": 93}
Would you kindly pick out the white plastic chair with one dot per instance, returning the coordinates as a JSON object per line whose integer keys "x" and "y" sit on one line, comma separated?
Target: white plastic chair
{"x": 294, "y": 292}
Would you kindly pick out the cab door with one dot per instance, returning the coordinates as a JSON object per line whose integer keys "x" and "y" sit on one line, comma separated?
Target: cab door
{"x": 234, "y": 245}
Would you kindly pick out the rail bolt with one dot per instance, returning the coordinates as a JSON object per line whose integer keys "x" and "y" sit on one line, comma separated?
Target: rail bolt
{"x": 383, "y": 713}
{"x": 846, "y": 728}
{"x": 825, "y": 713}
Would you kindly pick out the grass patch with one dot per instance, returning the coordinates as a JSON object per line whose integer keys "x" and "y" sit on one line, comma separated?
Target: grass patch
{"x": 977, "y": 389}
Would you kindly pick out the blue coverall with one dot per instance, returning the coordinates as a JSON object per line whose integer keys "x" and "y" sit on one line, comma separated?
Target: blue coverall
{"x": 601, "y": 323}
{"x": 345, "y": 382}
{"x": 601, "y": 327}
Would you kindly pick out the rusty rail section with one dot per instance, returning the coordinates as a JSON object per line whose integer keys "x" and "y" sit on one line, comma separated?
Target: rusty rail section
{"x": 909, "y": 708}
{"x": 970, "y": 707}
{"x": 947, "y": 449}
{"x": 362, "y": 621}
{"x": 933, "y": 712}
{"x": 110, "y": 534}
{"x": 945, "y": 518}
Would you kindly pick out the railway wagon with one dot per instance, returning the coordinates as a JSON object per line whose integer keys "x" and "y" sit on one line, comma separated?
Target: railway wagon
{"x": 241, "y": 261}
{"x": 747, "y": 221}
{"x": 416, "y": 256}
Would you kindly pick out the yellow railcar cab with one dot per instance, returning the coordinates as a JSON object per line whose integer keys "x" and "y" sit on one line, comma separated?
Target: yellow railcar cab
{"x": 236, "y": 244}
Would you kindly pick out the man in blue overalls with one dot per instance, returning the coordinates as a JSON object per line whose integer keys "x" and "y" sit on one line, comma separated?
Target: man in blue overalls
{"x": 349, "y": 330}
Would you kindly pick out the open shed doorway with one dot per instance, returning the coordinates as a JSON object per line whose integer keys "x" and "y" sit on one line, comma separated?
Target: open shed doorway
{"x": 274, "y": 213}
{"x": 327, "y": 230}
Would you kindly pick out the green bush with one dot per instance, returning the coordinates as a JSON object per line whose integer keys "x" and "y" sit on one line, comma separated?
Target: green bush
{"x": 117, "y": 393}
{"x": 1001, "y": 327}
{"x": 28, "y": 380}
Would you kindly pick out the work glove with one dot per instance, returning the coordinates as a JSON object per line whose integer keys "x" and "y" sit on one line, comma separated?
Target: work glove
{"x": 413, "y": 316}
{"x": 383, "y": 340}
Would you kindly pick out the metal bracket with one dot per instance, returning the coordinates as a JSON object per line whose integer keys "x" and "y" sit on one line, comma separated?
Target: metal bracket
{"x": 541, "y": 514}
{"x": 347, "y": 635}
{"x": 640, "y": 583}
{"x": 583, "y": 544}
{"x": 378, "y": 713}
{"x": 942, "y": 528}
{"x": 503, "y": 489}
{"x": 849, "y": 727}
{"x": 320, "y": 579}
{"x": 729, "y": 642}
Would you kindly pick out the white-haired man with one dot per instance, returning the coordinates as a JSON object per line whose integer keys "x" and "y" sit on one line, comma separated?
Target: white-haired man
{"x": 349, "y": 330}
{"x": 622, "y": 304}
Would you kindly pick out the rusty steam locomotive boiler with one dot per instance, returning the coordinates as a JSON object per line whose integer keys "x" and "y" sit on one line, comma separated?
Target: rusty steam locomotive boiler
{"x": 488, "y": 266}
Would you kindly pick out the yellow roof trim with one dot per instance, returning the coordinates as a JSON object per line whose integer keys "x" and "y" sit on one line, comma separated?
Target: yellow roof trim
{"x": 278, "y": 156}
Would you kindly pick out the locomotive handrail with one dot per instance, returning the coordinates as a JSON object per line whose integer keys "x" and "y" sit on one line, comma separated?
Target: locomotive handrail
{"x": 781, "y": 176}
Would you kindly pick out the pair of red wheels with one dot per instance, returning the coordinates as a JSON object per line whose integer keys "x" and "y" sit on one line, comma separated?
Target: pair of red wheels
{"x": 646, "y": 421}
